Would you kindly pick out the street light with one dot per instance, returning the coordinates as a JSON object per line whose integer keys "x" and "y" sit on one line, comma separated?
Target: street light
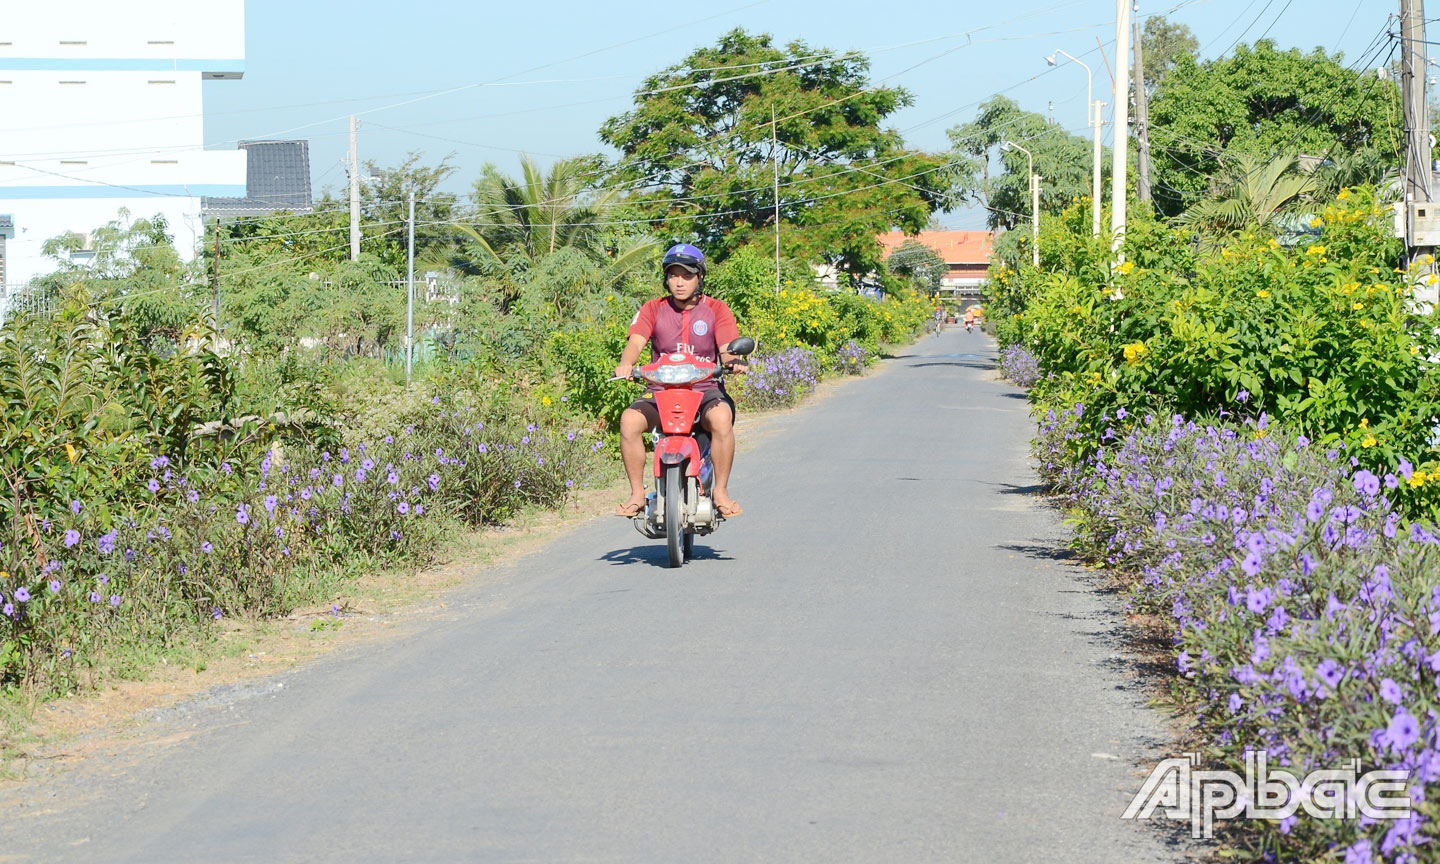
{"x": 1034, "y": 199}
{"x": 1092, "y": 107}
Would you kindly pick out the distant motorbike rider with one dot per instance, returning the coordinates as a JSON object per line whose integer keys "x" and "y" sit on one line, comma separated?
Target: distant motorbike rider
{"x": 685, "y": 319}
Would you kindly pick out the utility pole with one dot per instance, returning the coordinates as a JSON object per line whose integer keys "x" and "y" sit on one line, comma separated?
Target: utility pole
{"x": 354, "y": 193}
{"x": 1419, "y": 241}
{"x": 1121, "y": 144}
{"x": 410, "y": 298}
{"x": 1095, "y": 192}
{"x": 1035, "y": 219}
{"x": 215, "y": 284}
{"x": 1142, "y": 113}
{"x": 775, "y": 159}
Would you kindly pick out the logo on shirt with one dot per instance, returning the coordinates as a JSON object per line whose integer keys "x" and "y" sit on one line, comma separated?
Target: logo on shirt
{"x": 700, "y": 328}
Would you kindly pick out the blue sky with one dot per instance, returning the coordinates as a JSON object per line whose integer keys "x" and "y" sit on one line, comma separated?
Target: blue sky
{"x": 310, "y": 64}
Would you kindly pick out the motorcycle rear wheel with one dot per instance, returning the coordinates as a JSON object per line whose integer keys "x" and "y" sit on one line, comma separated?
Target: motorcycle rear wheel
{"x": 675, "y": 514}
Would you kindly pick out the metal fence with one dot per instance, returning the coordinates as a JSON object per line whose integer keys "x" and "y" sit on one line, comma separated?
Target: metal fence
{"x": 16, "y": 299}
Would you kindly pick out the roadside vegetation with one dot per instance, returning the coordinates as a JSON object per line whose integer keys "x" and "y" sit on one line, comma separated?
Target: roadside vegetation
{"x": 187, "y": 445}
{"x": 1241, "y": 411}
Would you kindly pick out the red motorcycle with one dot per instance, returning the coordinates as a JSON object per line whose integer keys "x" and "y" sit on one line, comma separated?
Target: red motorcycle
{"x": 681, "y": 507}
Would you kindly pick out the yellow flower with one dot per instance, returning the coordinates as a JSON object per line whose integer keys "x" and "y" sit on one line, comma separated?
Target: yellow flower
{"x": 1358, "y": 306}
{"x": 1315, "y": 250}
{"x": 4, "y": 575}
{"x": 1262, "y": 294}
{"x": 1273, "y": 244}
{"x": 1418, "y": 479}
{"x": 1261, "y": 433}
{"x": 72, "y": 453}
{"x": 1350, "y": 287}
{"x": 1316, "y": 222}
{"x": 1135, "y": 352}
{"x": 1344, "y": 193}
{"x": 1127, "y": 267}
{"x": 1414, "y": 349}
{"x": 544, "y": 400}
{"x": 1364, "y": 422}
{"x": 1369, "y": 441}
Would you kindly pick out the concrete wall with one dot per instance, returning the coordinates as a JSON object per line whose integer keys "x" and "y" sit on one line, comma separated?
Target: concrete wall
{"x": 101, "y": 108}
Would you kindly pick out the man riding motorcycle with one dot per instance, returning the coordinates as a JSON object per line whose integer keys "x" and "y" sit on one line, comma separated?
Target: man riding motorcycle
{"x": 687, "y": 320}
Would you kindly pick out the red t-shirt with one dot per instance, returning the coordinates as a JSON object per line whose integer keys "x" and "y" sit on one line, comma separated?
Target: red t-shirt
{"x": 700, "y": 330}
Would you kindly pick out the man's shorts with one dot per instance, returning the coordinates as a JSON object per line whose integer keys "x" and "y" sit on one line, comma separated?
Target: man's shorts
{"x": 646, "y": 405}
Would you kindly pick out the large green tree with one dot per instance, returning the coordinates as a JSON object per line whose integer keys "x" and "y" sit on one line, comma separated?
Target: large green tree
{"x": 1264, "y": 102}
{"x": 1063, "y": 161}
{"x": 1164, "y": 43}
{"x": 697, "y": 151}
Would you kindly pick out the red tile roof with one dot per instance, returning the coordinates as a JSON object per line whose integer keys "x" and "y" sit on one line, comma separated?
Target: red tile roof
{"x": 955, "y": 247}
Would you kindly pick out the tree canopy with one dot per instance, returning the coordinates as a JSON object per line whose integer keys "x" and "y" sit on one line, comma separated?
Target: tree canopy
{"x": 1263, "y": 102}
{"x": 1063, "y": 161}
{"x": 697, "y": 149}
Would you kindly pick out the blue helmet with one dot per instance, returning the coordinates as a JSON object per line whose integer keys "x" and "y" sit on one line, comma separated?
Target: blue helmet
{"x": 687, "y": 256}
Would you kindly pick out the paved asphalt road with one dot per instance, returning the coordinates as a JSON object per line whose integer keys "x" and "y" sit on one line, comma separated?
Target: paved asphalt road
{"x": 885, "y": 659}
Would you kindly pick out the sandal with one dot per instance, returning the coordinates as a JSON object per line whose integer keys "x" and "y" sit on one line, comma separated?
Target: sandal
{"x": 729, "y": 511}
{"x": 630, "y": 509}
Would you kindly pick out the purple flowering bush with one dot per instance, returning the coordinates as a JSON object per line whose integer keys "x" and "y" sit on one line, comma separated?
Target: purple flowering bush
{"x": 777, "y": 380}
{"x": 1019, "y": 366}
{"x": 1305, "y": 608}
{"x": 155, "y": 561}
{"x": 851, "y": 358}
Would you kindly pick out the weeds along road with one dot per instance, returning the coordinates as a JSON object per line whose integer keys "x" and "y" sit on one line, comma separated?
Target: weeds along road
{"x": 885, "y": 659}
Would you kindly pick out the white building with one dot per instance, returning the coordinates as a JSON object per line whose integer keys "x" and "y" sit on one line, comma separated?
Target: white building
{"x": 100, "y": 109}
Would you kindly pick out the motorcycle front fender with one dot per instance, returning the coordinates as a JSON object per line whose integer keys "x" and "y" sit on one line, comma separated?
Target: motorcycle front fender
{"x": 677, "y": 449}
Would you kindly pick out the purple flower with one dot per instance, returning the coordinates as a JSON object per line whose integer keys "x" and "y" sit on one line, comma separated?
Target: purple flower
{"x": 338, "y": 479}
{"x": 242, "y": 514}
{"x": 271, "y": 502}
{"x": 1252, "y": 564}
{"x": 1329, "y": 672}
{"x": 1256, "y": 600}
{"x": 9, "y": 609}
{"x": 105, "y": 543}
{"x": 94, "y": 597}
{"x": 403, "y": 507}
{"x": 54, "y": 586}
{"x": 71, "y": 538}
{"x": 1359, "y": 853}
{"x": 419, "y": 509}
{"x": 75, "y": 507}
{"x": 1366, "y": 483}
{"x": 216, "y": 613}
{"x": 1403, "y": 731}
{"x": 1390, "y": 691}
{"x": 114, "y": 599}
{"x": 154, "y": 485}
{"x": 1242, "y": 396}
{"x": 392, "y": 478}
{"x": 22, "y": 595}
{"x": 206, "y": 547}
{"x": 434, "y": 481}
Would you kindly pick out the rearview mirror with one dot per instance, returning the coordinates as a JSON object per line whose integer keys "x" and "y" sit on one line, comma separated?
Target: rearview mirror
{"x": 742, "y": 346}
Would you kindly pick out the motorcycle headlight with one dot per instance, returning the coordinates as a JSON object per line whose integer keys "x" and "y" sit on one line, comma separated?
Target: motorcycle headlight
{"x": 682, "y": 373}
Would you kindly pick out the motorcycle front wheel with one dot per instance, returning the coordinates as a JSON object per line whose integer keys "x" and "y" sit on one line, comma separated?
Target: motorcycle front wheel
{"x": 675, "y": 514}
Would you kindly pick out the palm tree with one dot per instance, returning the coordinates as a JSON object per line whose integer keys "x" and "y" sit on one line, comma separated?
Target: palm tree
{"x": 1252, "y": 192}
{"x": 535, "y": 215}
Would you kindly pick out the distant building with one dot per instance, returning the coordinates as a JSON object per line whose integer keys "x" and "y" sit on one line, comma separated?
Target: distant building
{"x": 101, "y": 108}
{"x": 965, "y": 253}
{"x": 277, "y": 177}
